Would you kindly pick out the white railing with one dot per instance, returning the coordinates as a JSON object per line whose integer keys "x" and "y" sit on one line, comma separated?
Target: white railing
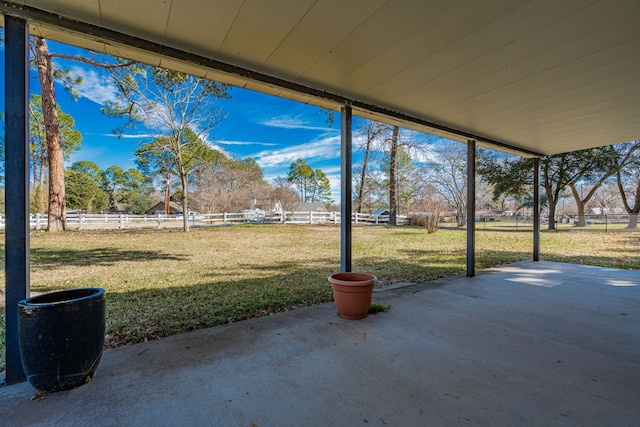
{"x": 81, "y": 221}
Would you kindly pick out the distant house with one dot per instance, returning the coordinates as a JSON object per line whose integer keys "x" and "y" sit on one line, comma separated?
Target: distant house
{"x": 310, "y": 207}
{"x": 380, "y": 212}
{"x": 158, "y": 208}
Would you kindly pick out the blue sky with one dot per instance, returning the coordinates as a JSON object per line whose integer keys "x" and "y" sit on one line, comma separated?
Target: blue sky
{"x": 273, "y": 131}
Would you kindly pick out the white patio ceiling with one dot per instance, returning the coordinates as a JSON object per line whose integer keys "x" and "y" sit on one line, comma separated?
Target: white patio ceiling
{"x": 545, "y": 76}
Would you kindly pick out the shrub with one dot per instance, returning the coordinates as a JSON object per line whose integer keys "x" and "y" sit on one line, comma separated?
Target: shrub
{"x": 429, "y": 221}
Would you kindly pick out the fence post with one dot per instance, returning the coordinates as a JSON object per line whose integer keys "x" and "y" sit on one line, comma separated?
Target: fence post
{"x": 224, "y": 218}
{"x": 38, "y": 221}
{"x": 159, "y": 221}
{"x": 121, "y": 221}
{"x": 310, "y": 217}
{"x": 283, "y": 218}
{"x": 80, "y": 221}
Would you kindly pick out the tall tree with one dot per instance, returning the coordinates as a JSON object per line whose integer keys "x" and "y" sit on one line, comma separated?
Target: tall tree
{"x": 321, "y": 191}
{"x": 393, "y": 175}
{"x": 628, "y": 181}
{"x": 447, "y": 175}
{"x": 57, "y": 219}
{"x": 135, "y": 192}
{"x": 594, "y": 167}
{"x": 313, "y": 185}
{"x": 403, "y": 188}
{"x": 83, "y": 181}
{"x": 180, "y": 106}
{"x": 113, "y": 179}
{"x": 514, "y": 176}
{"x": 394, "y": 151}
{"x": 180, "y": 155}
{"x": 70, "y": 139}
{"x": 301, "y": 176}
{"x": 47, "y": 74}
{"x": 372, "y": 132}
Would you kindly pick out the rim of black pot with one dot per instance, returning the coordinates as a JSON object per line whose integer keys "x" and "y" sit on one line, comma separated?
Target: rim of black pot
{"x": 61, "y": 297}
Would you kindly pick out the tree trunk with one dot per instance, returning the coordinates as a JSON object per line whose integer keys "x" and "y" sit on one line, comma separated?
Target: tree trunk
{"x": 462, "y": 217}
{"x": 582, "y": 220}
{"x": 57, "y": 218}
{"x": 551, "y": 201}
{"x": 632, "y": 211}
{"x": 393, "y": 177}
{"x": 185, "y": 209}
{"x": 371, "y": 134}
{"x": 552, "y": 216}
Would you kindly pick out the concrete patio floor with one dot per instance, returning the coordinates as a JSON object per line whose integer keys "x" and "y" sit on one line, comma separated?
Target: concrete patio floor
{"x": 525, "y": 344}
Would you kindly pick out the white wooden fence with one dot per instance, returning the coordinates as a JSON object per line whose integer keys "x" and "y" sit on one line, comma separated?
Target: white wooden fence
{"x": 76, "y": 221}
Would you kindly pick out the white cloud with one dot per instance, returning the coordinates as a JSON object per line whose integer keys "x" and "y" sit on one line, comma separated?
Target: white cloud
{"x": 132, "y": 136}
{"x": 327, "y": 148}
{"x": 94, "y": 87}
{"x": 287, "y": 122}
{"x": 265, "y": 144}
{"x": 102, "y": 90}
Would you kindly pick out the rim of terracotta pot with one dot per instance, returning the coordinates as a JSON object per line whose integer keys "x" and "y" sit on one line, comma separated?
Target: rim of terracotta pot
{"x": 353, "y": 278}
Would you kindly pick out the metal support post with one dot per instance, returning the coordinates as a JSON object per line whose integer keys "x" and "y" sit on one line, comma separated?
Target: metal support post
{"x": 16, "y": 95}
{"x": 471, "y": 208}
{"x": 536, "y": 209}
{"x": 345, "y": 188}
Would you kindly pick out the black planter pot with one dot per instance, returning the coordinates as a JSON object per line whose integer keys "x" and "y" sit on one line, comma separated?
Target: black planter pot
{"x": 61, "y": 337}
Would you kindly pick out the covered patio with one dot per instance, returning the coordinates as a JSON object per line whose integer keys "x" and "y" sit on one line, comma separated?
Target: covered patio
{"x": 532, "y": 343}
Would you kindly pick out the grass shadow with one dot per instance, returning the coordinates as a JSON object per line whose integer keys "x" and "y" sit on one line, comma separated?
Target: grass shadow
{"x": 48, "y": 258}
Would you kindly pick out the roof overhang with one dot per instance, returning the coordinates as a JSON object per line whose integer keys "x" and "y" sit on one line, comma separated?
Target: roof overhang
{"x": 534, "y": 78}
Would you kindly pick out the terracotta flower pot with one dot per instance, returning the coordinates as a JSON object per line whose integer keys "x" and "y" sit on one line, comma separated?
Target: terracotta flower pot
{"x": 352, "y": 293}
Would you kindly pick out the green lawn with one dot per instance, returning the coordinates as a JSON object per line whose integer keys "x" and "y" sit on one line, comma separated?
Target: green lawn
{"x": 164, "y": 282}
